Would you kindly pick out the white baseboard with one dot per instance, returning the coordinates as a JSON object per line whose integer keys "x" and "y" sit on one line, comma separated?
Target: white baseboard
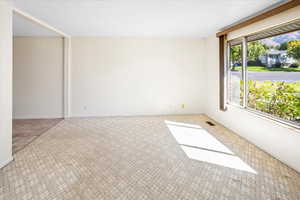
{"x": 38, "y": 117}
{"x": 132, "y": 115}
{"x": 6, "y": 162}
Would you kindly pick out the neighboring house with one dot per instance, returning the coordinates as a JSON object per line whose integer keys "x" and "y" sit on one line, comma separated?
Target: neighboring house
{"x": 274, "y": 56}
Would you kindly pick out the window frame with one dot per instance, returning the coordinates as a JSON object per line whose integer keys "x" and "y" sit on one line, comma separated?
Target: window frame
{"x": 243, "y": 41}
{"x": 229, "y": 44}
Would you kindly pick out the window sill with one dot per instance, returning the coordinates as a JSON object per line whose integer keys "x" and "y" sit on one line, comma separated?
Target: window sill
{"x": 266, "y": 117}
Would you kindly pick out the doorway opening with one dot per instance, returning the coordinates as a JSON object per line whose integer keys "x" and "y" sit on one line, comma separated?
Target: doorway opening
{"x": 40, "y": 93}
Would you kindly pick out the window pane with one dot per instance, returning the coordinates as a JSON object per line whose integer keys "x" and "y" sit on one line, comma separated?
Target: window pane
{"x": 274, "y": 76}
{"x": 235, "y": 88}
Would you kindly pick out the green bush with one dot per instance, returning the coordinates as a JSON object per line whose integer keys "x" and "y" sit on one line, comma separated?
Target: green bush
{"x": 281, "y": 99}
{"x": 294, "y": 65}
{"x": 277, "y": 65}
{"x": 255, "y": 63}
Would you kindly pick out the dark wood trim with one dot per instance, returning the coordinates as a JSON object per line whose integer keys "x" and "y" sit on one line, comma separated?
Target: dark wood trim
{"x": 261, "y": 16}
{"x": 222, "y": 72}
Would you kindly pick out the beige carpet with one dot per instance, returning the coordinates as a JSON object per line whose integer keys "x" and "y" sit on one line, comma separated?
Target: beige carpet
{"x": 158, "y": 158}
{"x": 24, "y": 131}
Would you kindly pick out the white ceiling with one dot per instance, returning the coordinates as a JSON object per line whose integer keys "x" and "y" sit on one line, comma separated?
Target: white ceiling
{"x": 184, "y": 18}
{"x": 25, "y": 27}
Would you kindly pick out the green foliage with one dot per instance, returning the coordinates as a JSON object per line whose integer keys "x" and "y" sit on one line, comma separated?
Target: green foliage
{"x": 256, "y": 62}
{"x": 266, "y": 46}
{"x": 235, "y": 55}
{"x": 281, "y": 99}
{"x": 255, "y": 50}
{"x": 267, "y": 69}
{"x": 293, "y": 49}
{"x": 277, "y": 65}
{"x": 294, "y": 65}
{"x": 283, "y": 46}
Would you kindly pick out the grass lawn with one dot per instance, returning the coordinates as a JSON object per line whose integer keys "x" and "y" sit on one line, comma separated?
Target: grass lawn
{"x": 265, "y": 69}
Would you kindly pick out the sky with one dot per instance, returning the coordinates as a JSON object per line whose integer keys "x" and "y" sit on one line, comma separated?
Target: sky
{"x": 274, "y": 41}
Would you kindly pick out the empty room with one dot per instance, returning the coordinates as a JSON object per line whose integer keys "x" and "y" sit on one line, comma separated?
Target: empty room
{"x": 160, "y": 100}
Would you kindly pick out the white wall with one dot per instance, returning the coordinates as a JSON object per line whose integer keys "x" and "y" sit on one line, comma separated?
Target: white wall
{"x": 37, "y": 77}
{"x": 5, "y": 83}
{"x": 136, "y": 76}
{"x": 279, "y": 141}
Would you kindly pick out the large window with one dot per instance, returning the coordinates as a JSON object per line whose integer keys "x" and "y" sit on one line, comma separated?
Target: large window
{"x": 264, "y": 74}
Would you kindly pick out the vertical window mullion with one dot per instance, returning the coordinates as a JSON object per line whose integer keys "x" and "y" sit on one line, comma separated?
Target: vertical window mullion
{"x": 244, "y": 71}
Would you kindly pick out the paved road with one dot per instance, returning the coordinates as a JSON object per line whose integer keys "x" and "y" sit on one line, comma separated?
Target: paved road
{"x": 272, "y": 76}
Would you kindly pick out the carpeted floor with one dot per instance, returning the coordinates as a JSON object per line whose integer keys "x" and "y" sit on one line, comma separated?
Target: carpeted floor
{"x": 158, "y": 158}
{"x": 26, "y": 130}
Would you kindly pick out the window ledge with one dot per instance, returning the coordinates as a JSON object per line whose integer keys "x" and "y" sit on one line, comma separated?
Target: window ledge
{"x": 266, "y": 117}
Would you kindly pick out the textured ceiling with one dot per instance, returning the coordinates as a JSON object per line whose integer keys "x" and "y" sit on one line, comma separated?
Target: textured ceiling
{"x": 178, "y": 18}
